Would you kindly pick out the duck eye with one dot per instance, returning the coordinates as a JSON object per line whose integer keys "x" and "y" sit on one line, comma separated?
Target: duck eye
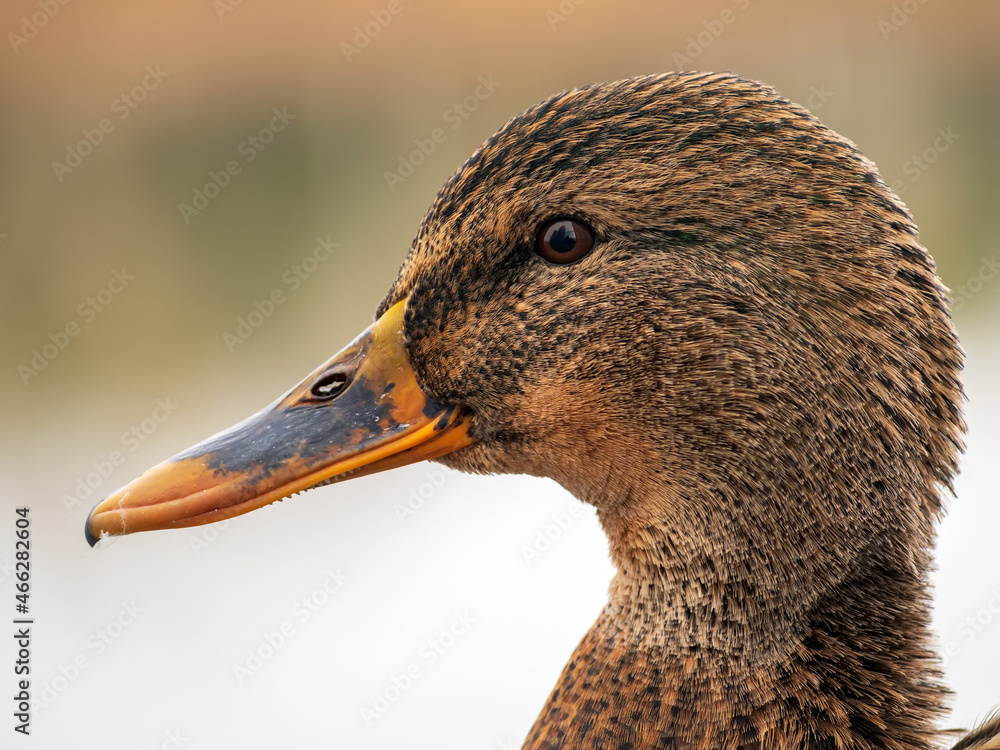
{"x": 564, "y": 241}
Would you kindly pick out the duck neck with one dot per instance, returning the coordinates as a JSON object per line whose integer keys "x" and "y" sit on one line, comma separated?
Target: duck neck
{"x": 695, "y": 650}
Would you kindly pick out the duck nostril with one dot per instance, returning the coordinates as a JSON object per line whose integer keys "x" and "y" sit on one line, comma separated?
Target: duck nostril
{"x": 329, "y": 386}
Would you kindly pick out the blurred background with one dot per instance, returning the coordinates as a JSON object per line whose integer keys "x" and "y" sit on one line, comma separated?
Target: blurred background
{"x": 165, "y": 166}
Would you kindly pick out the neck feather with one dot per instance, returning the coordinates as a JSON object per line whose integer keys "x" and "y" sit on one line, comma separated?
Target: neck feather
{"x": 689, "y": 653}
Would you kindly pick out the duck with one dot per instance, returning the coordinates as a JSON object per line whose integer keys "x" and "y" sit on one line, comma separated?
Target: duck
{"x": 705, "y": 314}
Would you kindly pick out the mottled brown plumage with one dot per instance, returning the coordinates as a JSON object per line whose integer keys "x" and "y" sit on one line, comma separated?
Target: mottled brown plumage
{"x": 754, "y": 379}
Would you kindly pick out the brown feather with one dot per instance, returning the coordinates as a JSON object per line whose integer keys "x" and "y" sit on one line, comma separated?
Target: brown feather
{"x": 753, "y": 377}
{"x": 984, "y": 737}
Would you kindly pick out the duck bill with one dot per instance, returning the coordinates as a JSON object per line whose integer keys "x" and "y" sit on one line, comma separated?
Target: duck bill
{"x": 360, "y": 413}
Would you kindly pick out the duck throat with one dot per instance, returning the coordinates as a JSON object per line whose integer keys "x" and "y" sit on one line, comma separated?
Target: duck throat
{"x": 721, "y": 663}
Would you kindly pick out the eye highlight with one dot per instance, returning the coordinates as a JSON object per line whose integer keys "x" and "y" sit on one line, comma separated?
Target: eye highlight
{"x": 564, "y": 241}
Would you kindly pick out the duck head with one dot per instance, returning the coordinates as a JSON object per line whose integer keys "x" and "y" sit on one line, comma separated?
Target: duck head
{"x": 687, "y": 301}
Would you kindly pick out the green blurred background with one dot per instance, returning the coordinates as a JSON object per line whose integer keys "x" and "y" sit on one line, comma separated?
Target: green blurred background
{"x": 890, "y": 76}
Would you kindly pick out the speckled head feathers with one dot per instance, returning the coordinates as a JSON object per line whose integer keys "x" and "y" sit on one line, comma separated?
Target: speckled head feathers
{"x": 753, "y": 277}
{"x": 753, "y": 376}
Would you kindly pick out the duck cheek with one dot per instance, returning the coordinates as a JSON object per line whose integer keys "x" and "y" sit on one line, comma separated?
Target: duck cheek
{"x": 496, "y": 456}
{"x": 477, "y": 459}
{"x": 464, "y": 366}
{"x": 437, "y": 347}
